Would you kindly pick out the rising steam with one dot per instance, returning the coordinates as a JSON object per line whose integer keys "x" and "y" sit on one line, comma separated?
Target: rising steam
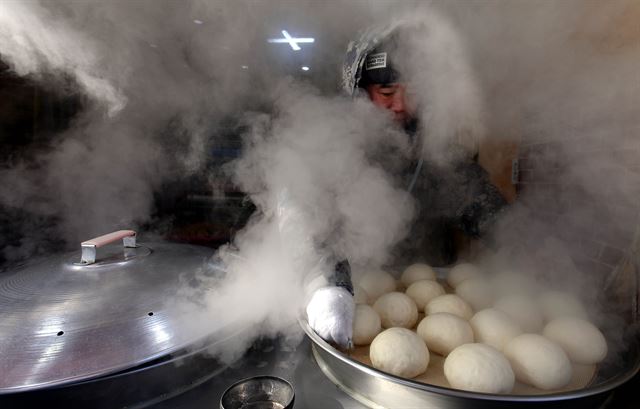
{"x": 158, "y": 84}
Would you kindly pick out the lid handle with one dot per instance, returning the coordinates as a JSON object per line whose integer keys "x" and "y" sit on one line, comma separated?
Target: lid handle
{"x": 89, "y": 247}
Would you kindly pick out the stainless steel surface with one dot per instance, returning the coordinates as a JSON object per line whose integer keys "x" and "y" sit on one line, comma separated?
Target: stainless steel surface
{"x": 89, "y": 247}
{"x": 270, "y": 356}
{"x": 266, "y": 391}
{"x": 63, "y": 323}
{"x": 375, "y": 388}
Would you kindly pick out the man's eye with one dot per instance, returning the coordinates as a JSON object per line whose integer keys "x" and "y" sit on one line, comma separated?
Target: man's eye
{"x": 387, "y": 93}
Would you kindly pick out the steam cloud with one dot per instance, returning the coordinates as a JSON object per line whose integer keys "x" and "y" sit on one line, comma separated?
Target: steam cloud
{"x": 338, "y": 203}
{"x": 157, "y": 84}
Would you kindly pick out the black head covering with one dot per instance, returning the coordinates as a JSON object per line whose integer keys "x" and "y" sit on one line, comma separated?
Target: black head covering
{"x": 378, "y": 65}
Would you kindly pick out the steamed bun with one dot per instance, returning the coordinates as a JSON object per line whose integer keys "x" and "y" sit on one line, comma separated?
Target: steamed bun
{"x": 396, "y": 310}
{"x": 581, "y": 340}
{"x": 400, "y": 352}
{"x": 494, "y": 327}
{"x": 417, "y": 272}
{"x": 538, "y": 361}
{"x": 444, "y": 332}
{"x": 366, "y": 325}
{"x": 423, "y": 291}
{"x": 375, "y": 283}
{"x": 479, "y": 368}
{"x": 450, "y": 303}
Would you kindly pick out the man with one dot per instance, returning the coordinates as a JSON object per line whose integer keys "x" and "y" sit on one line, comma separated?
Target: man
{"x": 455, "y": 197}
{"x": 379, "y": 78}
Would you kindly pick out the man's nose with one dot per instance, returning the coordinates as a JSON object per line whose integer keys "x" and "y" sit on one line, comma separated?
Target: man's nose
{"x": 397, "y": 104}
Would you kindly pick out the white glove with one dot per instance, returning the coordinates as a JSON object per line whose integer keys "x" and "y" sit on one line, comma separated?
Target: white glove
{"x": 330, "y": 314}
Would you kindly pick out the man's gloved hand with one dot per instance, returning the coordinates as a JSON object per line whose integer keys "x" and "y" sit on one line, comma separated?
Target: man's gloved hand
{"x": 330, "y": 313}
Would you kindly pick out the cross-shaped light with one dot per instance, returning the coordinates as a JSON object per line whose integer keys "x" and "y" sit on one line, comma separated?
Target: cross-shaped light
{"x": 293, "y": 41}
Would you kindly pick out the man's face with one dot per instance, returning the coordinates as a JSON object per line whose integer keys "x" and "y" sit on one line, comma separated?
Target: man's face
{"x": 393, "y": 98}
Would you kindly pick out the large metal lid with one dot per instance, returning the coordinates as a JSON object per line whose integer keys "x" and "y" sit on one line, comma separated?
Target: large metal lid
{"x": 64, "y": 320}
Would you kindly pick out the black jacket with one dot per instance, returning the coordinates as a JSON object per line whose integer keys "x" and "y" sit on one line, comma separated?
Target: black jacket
{"x": 457, "y": 196}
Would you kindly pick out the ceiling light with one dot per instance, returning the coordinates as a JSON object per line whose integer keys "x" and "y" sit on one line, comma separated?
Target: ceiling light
{"x": 292, "y": 41}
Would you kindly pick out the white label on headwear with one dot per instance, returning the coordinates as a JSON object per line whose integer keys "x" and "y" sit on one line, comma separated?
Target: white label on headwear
{"x": 374, "y": 61}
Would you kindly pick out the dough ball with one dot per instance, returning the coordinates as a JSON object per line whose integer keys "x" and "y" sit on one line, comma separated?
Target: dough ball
{"x": 444, "y": 332}
{"x": 538, "y": 361}
{"x": 360, "y": 296}
{"x": 366, "y": 325}
{"x": 400, "y": 352}
{"x": 479, "y": 368}
{"x": 581, "y": 340}
{"x": 510, "y": 282}
{"x": 417, "y": 272}
{"x": 477, "y": 292}
{"x": 494, "y": 327}
{"x": 375, "y": 283}
{"x": 556, "y": 304}
{"x": 523, "y": 310}
{"x": 450, "y": 303}
{"x": 461, "y": 272}
{"x": 423, "y": 291}
{"x": 396, "y": 310}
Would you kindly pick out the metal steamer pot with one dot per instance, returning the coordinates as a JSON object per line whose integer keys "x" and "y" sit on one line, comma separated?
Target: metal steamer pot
{"x": 377, "y": 389}
{"x": 105, "y": 330}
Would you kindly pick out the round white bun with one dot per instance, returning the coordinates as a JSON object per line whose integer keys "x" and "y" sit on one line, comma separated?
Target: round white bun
{"x": 366, "y": 325}
{"x": 581, "y": 340}
{"x": 494, "y": 327}
{"x": 523, "y": 310}
{"x": 396, "y": 310}
{"x": 479, "y": 368}
{"x": 477, "y": 292}
{"x": 538, "y": 362}
{"x": 423, "y": 291}
{"x": 450, "y": 303}
{"x": 461, "y": 272}
{"x": 400, "y": 352}
{"x": 415, "y": 272}
{"x": 375, "y": 283}
{"x": 555, "y": 304}
{"x": 444, "y": 332}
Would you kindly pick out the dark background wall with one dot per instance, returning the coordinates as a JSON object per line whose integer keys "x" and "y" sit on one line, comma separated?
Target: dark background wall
{"x": 201, "y": 208}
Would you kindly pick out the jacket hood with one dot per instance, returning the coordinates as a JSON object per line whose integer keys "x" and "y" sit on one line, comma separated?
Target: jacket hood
{"x": 357, "y": 51}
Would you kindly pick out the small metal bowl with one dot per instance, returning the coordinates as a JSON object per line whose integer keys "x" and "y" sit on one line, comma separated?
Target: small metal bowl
{"x": 258, "y": 392}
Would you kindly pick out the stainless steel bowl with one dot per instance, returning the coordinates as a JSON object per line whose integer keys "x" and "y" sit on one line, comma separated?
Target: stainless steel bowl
{"x": 376, "y": 389}
{"x": 258, "y": 392}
